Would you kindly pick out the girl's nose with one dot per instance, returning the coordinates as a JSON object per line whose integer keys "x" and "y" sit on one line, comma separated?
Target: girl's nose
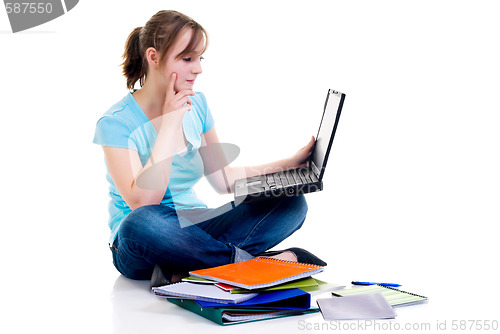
{"x": 197, "y": 68}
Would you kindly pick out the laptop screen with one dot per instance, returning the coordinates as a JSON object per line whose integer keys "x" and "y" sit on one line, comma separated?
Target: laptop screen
{"x": 326, "y": 132}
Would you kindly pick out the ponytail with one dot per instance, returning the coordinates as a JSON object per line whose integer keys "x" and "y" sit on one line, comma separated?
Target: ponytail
{"x": 132, "y": 60}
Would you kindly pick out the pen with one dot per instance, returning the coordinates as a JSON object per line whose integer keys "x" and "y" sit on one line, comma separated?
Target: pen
{"x": 373, "y": 283}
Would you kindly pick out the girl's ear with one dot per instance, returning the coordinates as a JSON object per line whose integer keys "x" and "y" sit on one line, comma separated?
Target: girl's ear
{"x": 153, "y": 57}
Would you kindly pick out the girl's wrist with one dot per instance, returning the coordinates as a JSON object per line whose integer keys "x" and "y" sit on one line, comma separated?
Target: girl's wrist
{"x": 172, "y": 119}
{"x": 289, "y": 163}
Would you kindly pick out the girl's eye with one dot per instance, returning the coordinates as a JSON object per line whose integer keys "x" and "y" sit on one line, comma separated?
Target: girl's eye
{"x": 188, "y": 59}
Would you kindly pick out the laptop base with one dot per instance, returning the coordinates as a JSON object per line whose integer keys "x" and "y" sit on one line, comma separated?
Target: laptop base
{"x": 284, "y": 184}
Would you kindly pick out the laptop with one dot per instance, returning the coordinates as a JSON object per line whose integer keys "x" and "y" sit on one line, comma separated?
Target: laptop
{"x": 301, "y": 180}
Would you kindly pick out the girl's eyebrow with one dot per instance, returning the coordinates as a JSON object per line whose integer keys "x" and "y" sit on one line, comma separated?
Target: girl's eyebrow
{"x": 192, "y": 53}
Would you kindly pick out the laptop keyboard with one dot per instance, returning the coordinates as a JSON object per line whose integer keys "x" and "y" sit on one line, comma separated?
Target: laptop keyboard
{"x": 290, "y": 178}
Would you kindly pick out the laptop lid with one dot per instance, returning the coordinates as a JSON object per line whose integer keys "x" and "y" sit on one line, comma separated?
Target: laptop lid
{"x": 328, "y": 126}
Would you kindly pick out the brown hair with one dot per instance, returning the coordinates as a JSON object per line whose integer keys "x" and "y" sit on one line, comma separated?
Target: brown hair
{"x": 160, "y": 32}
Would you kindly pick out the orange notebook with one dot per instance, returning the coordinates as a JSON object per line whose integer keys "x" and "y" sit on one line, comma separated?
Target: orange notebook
{"x": 258, "y": 273}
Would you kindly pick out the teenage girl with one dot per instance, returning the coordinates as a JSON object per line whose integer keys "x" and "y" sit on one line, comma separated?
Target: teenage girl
{"x": 151, "y": 141}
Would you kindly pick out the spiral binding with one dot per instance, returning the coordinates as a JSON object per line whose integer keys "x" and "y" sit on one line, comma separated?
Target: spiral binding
{"x": 413, "y": 294}
{"x": 297, "y": 264}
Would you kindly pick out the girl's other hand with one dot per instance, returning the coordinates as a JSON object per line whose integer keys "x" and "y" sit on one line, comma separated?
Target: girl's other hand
{"x": 301, "y": 158}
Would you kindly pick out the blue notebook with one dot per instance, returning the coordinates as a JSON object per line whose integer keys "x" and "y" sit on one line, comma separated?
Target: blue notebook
{"x": 293, "y": 299}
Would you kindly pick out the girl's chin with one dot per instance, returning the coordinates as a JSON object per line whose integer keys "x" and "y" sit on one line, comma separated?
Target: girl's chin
{"x": 186, "y": 86}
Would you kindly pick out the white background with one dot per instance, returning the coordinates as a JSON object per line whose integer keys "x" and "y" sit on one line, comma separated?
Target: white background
{"x": 412, "y": 187}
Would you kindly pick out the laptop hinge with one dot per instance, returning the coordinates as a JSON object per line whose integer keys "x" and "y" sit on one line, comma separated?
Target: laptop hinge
{"x": 315, "y": 169}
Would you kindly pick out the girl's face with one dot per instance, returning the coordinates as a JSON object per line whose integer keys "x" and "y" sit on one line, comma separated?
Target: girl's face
{"x": 187, "y": 67}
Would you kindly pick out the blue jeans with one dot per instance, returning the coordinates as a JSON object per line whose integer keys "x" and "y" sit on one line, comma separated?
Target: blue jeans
{"x": 201, "y": 238}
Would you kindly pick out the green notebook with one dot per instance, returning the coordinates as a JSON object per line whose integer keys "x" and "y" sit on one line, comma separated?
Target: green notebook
{"x": 394, "y": 296}
{"x": 200, "y": 280}
{"x": 232, "y": 316}
{"x": 301, "y": 284}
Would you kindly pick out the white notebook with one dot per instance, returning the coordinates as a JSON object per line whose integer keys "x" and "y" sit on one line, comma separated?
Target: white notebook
{"x": 205, "y": 292}
{"x": 369, "y": 306}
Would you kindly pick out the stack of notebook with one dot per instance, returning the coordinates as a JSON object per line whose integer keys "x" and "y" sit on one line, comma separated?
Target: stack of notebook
{"x": 258, "y": 289}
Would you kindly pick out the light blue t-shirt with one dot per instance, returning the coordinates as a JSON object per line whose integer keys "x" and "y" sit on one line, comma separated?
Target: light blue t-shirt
{"x": 125, "y": 125}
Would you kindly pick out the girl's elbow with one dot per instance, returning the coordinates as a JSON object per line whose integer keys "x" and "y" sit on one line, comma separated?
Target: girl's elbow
{"x": 143, "y": 201}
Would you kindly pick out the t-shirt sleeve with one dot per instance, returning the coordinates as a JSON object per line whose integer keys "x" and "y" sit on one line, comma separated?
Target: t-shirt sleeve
{"x": 111, "y": 131}
{"x": 208, "y": 122}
